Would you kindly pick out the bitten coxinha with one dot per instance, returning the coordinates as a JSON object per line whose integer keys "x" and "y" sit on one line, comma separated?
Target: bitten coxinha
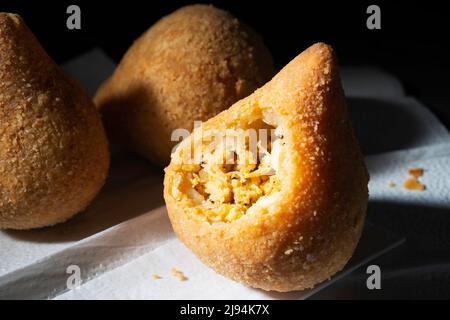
{"x": 294, "y": 218}
{"x": 286, "y": 221}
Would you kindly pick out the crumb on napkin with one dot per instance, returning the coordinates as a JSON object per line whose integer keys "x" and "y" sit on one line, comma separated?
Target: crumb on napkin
{"x": 413, "y": 183}
{"x": 415, "y": 172}
{"x": 178, "y": 274}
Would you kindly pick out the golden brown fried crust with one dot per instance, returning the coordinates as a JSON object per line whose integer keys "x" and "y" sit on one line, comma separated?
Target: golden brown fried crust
{"x": 53, "y": 150}
{"x": 312, "y": 232}
{"x": 189, "y": 66}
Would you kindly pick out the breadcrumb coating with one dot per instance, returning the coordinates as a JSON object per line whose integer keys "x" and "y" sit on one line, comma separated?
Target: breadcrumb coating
{"x": 53, "y": 149}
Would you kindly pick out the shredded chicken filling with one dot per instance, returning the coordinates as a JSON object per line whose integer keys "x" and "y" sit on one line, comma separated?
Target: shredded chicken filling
{"x": 233, "y": 175}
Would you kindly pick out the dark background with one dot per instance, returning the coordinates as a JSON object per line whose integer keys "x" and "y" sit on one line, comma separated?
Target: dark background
{"x": 412, "y": 44}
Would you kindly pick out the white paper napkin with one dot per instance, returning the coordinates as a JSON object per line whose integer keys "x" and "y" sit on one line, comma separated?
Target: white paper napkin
{"x": 33, "y": 263}
{"x": 135, "y": 279}
{"x": 388, "y": 172}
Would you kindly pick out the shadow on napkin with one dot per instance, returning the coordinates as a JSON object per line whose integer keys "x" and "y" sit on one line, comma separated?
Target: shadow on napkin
{"x": 383, "y": 125}
{"x": 425, "y": 227}
{"x": 133, "y": 188}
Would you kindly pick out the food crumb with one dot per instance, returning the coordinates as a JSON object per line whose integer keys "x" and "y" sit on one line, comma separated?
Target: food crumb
{"x": 288, "y": 252}
{"x": 156, "y": 276}
{"x": 415, "y": 172}
{"x": 413, "y": 184}
{"x": 392, "y": 184}
{"x": 178, "y": 274}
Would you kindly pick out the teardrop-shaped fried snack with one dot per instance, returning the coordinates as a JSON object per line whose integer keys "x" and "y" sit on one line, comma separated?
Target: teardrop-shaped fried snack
{"x": 190, "y": 65}
{"x": 53, "y": 149}
{"x": 291, "y": 218}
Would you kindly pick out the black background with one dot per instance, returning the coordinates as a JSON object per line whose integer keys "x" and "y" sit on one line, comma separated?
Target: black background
{"x": 412, "y": 44}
